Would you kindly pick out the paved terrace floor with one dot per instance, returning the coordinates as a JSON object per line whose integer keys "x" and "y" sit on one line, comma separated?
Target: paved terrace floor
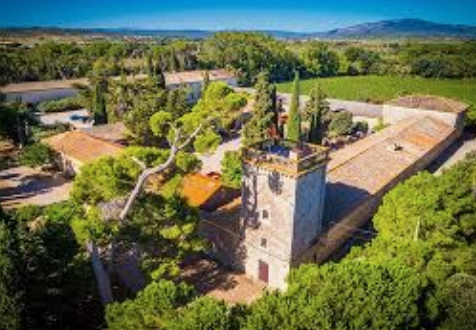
{"x": 215, "y": 281}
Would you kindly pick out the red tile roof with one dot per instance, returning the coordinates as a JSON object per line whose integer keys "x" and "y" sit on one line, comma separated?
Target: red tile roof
{"x": 82, "y": 147}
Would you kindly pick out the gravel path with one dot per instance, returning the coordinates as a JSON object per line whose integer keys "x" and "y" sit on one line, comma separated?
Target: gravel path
{"x": 212, "y": 162}
{"x": 455, "y": 153}
{"x": 22, "y": 186}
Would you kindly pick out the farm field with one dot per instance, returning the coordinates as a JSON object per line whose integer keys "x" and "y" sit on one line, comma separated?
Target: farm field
{"x": 378, "y": 89}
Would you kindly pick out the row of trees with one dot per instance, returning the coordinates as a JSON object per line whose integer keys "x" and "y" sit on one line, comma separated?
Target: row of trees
{"x": 311, "y": 123}
{"x": 245, "y": 53}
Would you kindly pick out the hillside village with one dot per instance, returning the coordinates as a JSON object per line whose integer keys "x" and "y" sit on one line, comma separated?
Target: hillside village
{"x": 212, "y": 197}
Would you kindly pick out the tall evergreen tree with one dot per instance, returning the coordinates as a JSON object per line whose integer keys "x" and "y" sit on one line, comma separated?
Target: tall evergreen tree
{"x": 258, "y": 127}
{"x": 294, "y": 117}
{"x": 159, "y": 77}
{"x": 316, "y": 109}
{"x": 276, "y": 108}
{"x": 154, "y": 71}
{"x": 99, "y": 102}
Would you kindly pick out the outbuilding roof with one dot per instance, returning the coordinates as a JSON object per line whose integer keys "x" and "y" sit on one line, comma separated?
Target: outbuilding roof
{"x": 368, "y": 167}
{"x": 430, "y": 102}
{"x": 198, "y": 188}
{"x": 186, "y": 77}
{"x": 82, "y": 147}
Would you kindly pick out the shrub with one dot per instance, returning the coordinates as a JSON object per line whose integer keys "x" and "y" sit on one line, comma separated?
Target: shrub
{"x": 340, "y": 124}
{"x": 37, "y": 154}
{"x": 66, "y": 104}
{"x": 231, "y": 169}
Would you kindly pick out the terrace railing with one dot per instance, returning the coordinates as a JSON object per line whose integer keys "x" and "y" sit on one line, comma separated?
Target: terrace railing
{"x": 286, "y": 156}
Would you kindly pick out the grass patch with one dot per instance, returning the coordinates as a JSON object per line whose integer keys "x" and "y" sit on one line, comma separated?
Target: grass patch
{"x": 378, "y": 89}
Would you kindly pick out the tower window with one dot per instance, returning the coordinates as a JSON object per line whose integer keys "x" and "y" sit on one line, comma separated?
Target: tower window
{"x": 264, "y": 215}
{"x": 263, "y": 243}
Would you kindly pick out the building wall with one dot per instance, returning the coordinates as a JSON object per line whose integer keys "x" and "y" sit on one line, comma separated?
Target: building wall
{"x": 393, "y": 114}
{"x": 196, "y": 87}
{"x": 68, "y": 165}
{"x": 294, "y": 207}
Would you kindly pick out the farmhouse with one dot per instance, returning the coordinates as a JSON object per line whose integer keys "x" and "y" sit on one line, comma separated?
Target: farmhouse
{"x": 300, "y": 203}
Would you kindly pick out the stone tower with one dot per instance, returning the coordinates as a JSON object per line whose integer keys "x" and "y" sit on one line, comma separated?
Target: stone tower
{"x": 282, "y": 205}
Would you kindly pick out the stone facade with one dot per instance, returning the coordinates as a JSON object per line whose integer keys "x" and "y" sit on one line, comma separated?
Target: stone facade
{"x": 282, "y": 214}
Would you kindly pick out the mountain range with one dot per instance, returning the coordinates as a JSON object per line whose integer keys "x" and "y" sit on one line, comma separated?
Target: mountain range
{"x": 398, "y": 28}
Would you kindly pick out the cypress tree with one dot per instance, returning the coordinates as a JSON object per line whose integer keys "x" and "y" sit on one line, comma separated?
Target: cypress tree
{"x": 258, "y": 127}
{"x": 99, "y": 102}
{"x": 159, "y": 77}
{"x": 294, "y": 117}
{"x": 317, "y": 107}
{"x": 276, "y": 110}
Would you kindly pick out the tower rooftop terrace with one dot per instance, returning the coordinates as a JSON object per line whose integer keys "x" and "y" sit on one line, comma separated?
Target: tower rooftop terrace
{"x": 285, "y": 156}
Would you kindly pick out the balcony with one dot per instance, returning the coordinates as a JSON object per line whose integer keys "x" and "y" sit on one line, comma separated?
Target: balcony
{"x": 287, "y": 157}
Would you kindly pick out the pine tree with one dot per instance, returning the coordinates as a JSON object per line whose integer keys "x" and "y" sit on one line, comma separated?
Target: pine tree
{"x": 99, "y": 102}
{"x": 258, "y": 127}
{"x": 294, "y": 117}
{"x": 316, "y": 108}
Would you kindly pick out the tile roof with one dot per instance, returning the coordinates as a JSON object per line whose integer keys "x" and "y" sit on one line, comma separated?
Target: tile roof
{"x": 367, "y": 167}
{"x": 429, "y": 102}
{"x": 111, "y": 132}
{"x": 82, "y": 147}
{"x": 198, "y": 188}
{"x": 185, "y": 77}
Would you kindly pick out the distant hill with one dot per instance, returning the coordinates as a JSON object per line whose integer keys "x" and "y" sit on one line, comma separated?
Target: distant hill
{"x": 399, "y": 28}
{"x": 413, "y": 28}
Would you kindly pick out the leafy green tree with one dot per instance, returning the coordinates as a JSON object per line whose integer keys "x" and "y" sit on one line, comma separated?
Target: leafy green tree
{"x": 459, "y": 301}
{"x": 203, "y": 313}
{"x": 319, "y": 60}
{"x": 293, "y": 131}
{"x": 10, "y": 288}
{"x": 153, "y": 307}
{"x": 340, "y": 124}
{"x": 37, "y": 154}
{"x": 177, "y": 102}
{"x": 221, "y": 98}
{"x": 259, "y": 126}
{"x": 248, "y": 54}
{"x": 317, "y": 109}
{"x": 58, "y": 283}
{"x": 16, "y": 119}
{"x": 231, "y": 169}
{"x": 180, "y": 133}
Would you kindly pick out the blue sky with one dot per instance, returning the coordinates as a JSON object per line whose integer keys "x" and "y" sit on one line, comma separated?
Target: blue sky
{"x": 294, "y": 15}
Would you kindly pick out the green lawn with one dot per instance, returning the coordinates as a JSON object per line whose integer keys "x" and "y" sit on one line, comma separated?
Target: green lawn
{"x": 379, "y": 89}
